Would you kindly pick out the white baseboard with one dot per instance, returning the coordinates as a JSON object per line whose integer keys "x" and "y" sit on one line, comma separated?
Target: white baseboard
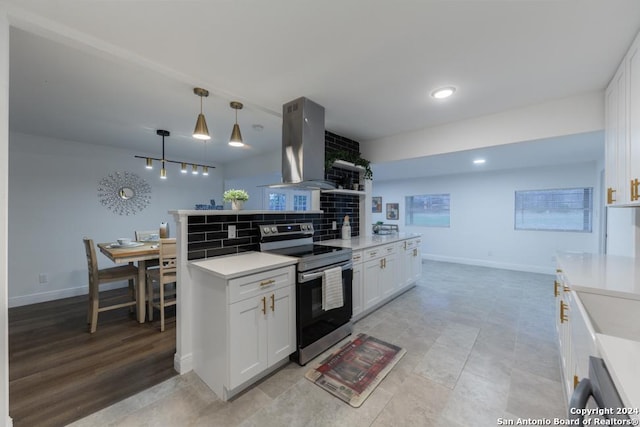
{"x": 492, "y": 264}
{"x": 183, "y": 364}
{"x": 59, "y": 294}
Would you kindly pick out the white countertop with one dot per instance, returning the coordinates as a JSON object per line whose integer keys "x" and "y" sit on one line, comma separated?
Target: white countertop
{"x": 189, "y": 212}
{"x": 363, "y": 242}
{"x": 612, "y": 275}
{"x": 229, "y": 267}
{"x": 621, "y": 358}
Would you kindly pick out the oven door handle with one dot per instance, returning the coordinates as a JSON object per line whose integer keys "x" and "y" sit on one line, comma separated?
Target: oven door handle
{"x": 306, "y": 277}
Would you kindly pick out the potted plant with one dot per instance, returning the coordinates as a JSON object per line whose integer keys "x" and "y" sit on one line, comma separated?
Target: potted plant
{"x": 236, "y": 197}
{"x": 348, "y": 156}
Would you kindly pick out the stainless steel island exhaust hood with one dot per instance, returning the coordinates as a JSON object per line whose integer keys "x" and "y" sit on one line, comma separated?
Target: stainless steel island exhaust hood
{"x": 303, "y": 145}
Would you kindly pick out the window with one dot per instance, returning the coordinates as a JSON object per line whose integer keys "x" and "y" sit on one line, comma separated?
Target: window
{"x": 569, "y": 209}
{"x": 300, "y": 202}
{"x": 277, "y": 201}
{"x": 288, "y": 200}
{"x": 429, "y": 210}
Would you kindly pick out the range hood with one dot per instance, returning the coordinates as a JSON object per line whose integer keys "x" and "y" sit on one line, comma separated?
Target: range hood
{"x": 303, "y": 146}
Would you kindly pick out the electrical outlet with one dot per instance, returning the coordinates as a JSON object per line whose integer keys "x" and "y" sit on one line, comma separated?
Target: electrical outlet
{"x": 334, "y": 226}
{"x": 232, "y": 232}
{"x": 43, "y": 278}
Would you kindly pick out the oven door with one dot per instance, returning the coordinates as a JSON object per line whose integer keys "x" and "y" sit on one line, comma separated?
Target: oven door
{"x": 313, "y": 322}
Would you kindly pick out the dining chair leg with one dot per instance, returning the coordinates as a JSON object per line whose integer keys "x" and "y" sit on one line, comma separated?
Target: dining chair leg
{"x": 150, "y": 298}
{"x": 132, "y": 293}
{"x": 94, "y": 315}
{"x": 162, "y": 285}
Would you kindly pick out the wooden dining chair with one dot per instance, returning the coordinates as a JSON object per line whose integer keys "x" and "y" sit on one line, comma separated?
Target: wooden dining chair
{"x": 145, "y": 236}
{"x": 163, "y": 280}
{"x": 99, "y": 277}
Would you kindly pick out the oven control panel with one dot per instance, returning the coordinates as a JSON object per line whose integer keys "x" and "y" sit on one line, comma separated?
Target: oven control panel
{"x": 286, "y": 229}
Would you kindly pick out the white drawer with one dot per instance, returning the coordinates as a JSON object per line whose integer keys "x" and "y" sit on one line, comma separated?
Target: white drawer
{"x": 249, "y": 286}
{"x": 379, "y": 251}
{"x": 356, "y": 257}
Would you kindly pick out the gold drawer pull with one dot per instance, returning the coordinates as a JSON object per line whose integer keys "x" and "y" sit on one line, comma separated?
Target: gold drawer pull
{"x": 566, "y": 288}
{"x": 264, "y": 305}
{"x": 576, "y": 380}
{"x": 555, "y": 288}
{"x": 273, "y": 302}
{"x": 268, "y": 282}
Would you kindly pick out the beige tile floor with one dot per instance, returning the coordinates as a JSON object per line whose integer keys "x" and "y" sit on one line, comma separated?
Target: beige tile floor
{"x": 481, "y": 345}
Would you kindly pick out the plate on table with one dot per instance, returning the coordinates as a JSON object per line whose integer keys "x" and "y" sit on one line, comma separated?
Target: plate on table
{"x": 117, "y": 245}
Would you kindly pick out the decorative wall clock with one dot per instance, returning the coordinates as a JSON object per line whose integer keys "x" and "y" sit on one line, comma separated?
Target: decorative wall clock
{"x": 124, "y": 193}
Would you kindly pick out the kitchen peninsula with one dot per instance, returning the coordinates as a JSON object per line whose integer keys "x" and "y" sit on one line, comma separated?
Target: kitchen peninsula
{"x": 597, "y": 314}
{"x": 224, "y": 278}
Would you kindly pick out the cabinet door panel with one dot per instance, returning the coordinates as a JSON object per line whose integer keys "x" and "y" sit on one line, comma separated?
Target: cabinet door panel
{"x": 371, "y": 282}
{"x": 281, "y": 324}
{"x": 247, "y": 340}
{"x": 390, "y": 280}
{"x": 357, "y": 289}
{"x": 634, "y": 113}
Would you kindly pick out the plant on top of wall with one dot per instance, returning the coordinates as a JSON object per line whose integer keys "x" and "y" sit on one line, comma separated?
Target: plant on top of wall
{"x": 236, "y": 197}
{"x": 348, "y": 156}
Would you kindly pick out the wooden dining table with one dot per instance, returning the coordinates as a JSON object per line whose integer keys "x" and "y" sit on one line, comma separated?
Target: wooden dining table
{"x": 140, "y": 254}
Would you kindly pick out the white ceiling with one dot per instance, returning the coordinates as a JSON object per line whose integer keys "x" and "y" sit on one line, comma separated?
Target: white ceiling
{"x": 112, "y": 72}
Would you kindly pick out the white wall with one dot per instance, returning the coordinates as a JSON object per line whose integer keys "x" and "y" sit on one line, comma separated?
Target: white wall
{"x": 4, "y": 192}
{"x": 53, "y": 203}
{"x": 482, "y": 216}
{"x": 567, "y": 116}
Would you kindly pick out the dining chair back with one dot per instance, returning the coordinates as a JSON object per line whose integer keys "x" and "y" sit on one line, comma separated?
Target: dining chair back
{"x": 147, "y": 236}
{"x": 99, "y": 277}
{"x": 165, "y": 279}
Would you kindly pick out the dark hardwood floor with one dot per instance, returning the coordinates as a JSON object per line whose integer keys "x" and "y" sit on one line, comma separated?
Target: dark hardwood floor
{"x": 59, "y": 372}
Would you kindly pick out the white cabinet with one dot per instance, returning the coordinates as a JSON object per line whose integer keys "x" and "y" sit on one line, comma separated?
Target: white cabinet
{"x": 575, "y": 335}
{"x": 244, "y": 327}
{"x": 622, "y": 131}
{"x": 357, "y": 294}
{"x": 260, "y": 333}
{"x": 411, "y": 261}
{"x": 379, "y": 274}
{"x": 390, "y": 280}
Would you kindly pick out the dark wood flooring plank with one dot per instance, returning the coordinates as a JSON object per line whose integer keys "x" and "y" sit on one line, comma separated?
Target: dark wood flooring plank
{"x": 59, "y": 372}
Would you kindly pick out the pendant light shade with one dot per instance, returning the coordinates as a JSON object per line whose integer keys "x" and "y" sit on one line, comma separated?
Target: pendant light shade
{"x": 236, "y": 136}
{"x": 149, "y": 163}
{"x": 201, "y": 130}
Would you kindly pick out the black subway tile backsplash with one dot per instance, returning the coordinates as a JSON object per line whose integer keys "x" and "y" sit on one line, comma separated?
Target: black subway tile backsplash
{"x": 207, "y": 235}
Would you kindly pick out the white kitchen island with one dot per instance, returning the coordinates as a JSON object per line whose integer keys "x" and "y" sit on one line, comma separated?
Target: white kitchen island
{"x": 598, "y": 314}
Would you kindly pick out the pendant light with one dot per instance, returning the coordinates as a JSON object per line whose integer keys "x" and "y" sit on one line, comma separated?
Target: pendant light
{"x": 163, "y": 133}
{"x": 236, "y": 136}
{"x": 201, "y": 131}
{"x": 164, "y": 161}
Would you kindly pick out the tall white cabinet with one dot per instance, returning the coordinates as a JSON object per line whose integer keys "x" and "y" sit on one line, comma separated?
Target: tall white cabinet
{"x": 622, "y": 131}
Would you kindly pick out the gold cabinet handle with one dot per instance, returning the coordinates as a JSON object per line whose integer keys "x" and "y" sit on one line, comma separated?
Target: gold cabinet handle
{"x": 563, "y": 316}
{"x": 273, "y": 302}
{"x": 268, "y": 282}
{"x": 384, "y": 264}
{"x": 558, "y": 270}
{"x": 555, "y": 288}
{"x": 610, "y": 198}
{"x": 576, "y": 380}
{"x": 634, "y": 189}
{"x": 415, "y": 252}
{"x": 264, "y": 305}
{"x": 566, "y": 288}
{"x": 381, "y": 264}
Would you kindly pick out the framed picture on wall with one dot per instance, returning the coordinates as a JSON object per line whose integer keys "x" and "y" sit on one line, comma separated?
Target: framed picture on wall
{"x": 393, "y": 210}
{"x": 376, "y": 204}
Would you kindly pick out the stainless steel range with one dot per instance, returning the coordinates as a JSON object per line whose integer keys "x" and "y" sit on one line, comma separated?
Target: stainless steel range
{"x": 316, "y": 329}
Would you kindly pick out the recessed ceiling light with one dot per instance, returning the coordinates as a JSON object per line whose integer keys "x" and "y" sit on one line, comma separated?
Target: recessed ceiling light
{"x": 479, "y": 161}
{"x": 443, "y": 92}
